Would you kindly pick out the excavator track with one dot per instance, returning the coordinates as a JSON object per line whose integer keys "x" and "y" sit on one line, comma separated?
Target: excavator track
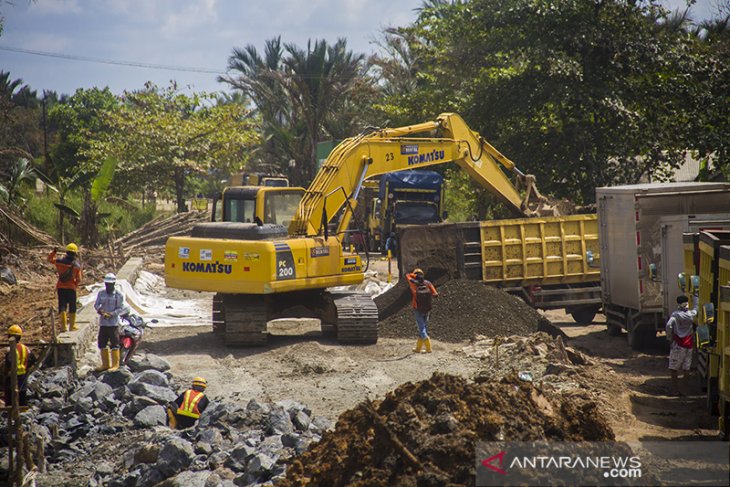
{"x": 245, "y": 319}
{"x": 357, "y": 318}
{"x": 219, "y": 320}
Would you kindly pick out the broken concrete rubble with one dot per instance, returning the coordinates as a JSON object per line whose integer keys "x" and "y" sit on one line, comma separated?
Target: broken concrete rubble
{"x": 109, "y": 429}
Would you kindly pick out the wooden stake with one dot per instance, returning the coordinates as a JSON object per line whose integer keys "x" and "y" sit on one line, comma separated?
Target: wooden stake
{"x": 15, "y": 467}
{"x": 54, "y": 338}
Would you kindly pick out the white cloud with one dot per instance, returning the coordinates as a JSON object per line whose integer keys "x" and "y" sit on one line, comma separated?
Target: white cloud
{"x": 195, "y": 19}
{"x": 47, "y": 42}
{"x": 54, "y": 7}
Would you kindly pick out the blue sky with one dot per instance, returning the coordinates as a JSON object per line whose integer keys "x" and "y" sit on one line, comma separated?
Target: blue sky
{"x": 189, "y": 33}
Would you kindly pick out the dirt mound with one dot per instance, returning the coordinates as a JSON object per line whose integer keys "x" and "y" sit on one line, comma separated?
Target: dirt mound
{"x": 425, "y": 433}
{"x": 465, "y": 309}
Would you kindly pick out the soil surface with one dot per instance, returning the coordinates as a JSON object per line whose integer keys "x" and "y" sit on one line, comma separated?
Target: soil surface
{"x": 424, "y": 433}
{"x": 638, "y": 385}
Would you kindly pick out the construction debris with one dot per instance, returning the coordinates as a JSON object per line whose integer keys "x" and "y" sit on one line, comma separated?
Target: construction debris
{"x": 157, "y": 231}
{"x": 109, "y": 429}
{"x": 424, "y": 433}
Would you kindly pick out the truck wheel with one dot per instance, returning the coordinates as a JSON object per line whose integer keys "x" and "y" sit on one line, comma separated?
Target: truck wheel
{"x": 713, "y": 396}
{"x": 639, "y": 334}
{"x": 613, "y": 330}
{"x": 584, "y": 316}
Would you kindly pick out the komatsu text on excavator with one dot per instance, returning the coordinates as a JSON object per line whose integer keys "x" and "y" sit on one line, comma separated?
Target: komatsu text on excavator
{"x": 262, "y": 271}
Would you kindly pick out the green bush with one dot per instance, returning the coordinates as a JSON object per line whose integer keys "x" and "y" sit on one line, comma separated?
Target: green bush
{"x": 123, "y": 218}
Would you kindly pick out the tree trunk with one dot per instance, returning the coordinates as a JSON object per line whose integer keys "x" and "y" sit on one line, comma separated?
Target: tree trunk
{"x": 61, "y": 232}
{"x": 179, "y": 190}
{"x": 87, "y": 224}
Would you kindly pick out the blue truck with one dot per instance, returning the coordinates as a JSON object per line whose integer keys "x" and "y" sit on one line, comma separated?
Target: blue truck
{"x": 403, "y": 198}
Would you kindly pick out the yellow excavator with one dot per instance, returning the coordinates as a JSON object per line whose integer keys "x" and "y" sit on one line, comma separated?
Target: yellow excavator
{"x": 261, "y": 270}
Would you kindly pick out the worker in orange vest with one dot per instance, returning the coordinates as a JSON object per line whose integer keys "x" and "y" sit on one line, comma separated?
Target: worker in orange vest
{"x": 187, "y": 408}
{"x": 24, "y": 361}
{"x": 68, "y": 269}
{"x": 423, "y": 292}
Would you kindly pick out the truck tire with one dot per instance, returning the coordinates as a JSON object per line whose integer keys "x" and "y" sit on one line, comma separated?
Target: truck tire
{"x": 613, "y": 330}
{"x": 639, "y": 334}
{"x": 713, "y": 396}
{"x": 584, "y": 316}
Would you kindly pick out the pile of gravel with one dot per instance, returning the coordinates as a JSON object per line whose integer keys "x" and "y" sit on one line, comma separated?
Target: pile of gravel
{"x": 465, "y": 309}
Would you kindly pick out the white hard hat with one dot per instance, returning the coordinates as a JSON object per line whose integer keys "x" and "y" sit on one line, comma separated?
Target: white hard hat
{"x": 110, "y": 278}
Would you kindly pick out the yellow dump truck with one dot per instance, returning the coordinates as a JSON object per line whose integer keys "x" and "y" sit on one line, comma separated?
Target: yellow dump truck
{"x": 702, "y": 258}
{"x": 540, "y": 259}
{"x": 722, "y": 344}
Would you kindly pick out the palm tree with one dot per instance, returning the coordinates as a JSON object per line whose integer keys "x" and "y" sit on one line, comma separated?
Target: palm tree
{"x": 294, "y": 91}
{"x": 317, "y": 80}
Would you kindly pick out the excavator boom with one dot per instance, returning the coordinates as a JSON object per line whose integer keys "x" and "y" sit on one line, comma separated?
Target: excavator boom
{"x": 389, "y": 150}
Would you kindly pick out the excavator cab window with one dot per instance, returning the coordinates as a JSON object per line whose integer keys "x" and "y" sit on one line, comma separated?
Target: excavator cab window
{"x": 280, "y": 207}
{"x": 240, "y": 210}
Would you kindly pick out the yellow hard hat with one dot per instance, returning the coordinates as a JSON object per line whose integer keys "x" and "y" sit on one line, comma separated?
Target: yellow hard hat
{"x": 418, "y": 270}
{"x": 199, "y": 381}
{"x": 72, "y": 247}
{"x": 15, "y": 330}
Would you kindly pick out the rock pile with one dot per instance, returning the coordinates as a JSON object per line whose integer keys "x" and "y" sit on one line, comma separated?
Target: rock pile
{"x": 465, "y": 309}
{"x": 537, "y": 357}
{"x": 425, "y": 433}
{"x": 109, "y": 429}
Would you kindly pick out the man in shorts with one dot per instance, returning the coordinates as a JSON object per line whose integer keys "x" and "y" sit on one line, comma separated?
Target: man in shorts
{"x": 680, "y": 327}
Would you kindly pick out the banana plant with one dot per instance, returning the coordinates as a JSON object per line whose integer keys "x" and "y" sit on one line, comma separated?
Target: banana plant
{"x": 90, "y": 215}
{"x": 63, "y": 186}
{"x": 19, "y": 173}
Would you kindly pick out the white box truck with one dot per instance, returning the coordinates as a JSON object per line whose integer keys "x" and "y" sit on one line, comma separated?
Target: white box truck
{"x": 640, "y": 231}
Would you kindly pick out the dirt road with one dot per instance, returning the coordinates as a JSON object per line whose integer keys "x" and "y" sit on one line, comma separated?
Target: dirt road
{"x": 640, "y": 385}
{"x": 326, "y": 376}
{"x": 331, "y": 378}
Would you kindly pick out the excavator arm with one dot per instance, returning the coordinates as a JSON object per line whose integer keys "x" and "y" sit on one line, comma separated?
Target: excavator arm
{"x": 356, "y": 159}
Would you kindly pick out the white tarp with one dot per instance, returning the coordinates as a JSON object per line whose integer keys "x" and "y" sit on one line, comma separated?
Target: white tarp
{"x": 146, "y": 299}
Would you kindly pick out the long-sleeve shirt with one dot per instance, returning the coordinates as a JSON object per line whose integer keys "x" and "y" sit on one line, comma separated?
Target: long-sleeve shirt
{"x": 68, "y": 270}
{"x": 413, "y": 282}
{"x": 113, "y": 304}
{"x": 681, "y": 320}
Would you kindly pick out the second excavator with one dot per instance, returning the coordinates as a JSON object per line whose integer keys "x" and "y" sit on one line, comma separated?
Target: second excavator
{"x": 264, "y": 271}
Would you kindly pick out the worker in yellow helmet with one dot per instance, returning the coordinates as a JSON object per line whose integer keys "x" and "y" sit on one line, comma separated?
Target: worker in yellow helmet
{"x": 68, "y": 269}
{"x": 24, "y": 360}
{"x": 422, "y": 292}
{"x": 187, "y": 408}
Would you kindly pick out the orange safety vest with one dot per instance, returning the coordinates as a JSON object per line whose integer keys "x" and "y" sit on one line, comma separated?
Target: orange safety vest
{"x": 21, "y": 355}
{"x": 189, "y": 406}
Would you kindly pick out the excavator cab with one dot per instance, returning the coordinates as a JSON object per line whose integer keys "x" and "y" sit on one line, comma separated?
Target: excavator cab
{"x": 246, "y": 204}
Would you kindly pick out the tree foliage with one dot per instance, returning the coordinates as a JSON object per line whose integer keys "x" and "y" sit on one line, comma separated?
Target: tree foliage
{"x": 580, "y": 93}
{"x": 303, "y": 97}
{"x": 162, "y": 137}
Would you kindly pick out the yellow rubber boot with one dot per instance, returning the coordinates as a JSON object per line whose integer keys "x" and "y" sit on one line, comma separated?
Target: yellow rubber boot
{"x": 171, "y": 418}
{"x": 419, "y": 344}
{"x": 115, "y": 360}
{"x": 72, "y": 321}
{"x": 104, "y": 352}
{"x": 427, "y": 342}
{"x": 63, "y": 322}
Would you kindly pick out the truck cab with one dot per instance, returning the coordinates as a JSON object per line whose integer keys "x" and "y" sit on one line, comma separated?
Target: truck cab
{"x": 404, "y": 198}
